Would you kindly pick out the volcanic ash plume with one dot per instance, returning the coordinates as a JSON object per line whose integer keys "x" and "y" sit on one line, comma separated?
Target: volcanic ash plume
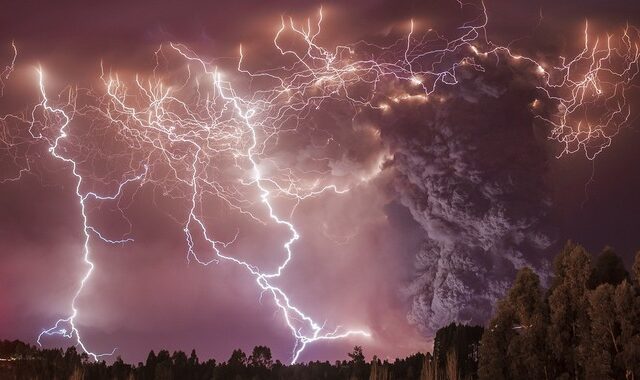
{"x": 470, "y": 170}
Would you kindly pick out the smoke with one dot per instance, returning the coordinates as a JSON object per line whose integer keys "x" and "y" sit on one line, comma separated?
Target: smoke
{"x": 470, "y": 168}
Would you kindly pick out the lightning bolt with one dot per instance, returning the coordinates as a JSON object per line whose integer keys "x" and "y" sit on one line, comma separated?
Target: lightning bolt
{"x": 9, "y": 68}
{"x": 589, "y": 92}
{"x": 66, "y": 327}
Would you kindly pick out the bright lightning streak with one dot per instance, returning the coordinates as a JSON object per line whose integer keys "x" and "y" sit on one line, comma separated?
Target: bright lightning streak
{"x": 66, "y": 327}
{"x": 9, "y": 68}
{"x": 595, "y": 106}
{"x": 589, "y": 91}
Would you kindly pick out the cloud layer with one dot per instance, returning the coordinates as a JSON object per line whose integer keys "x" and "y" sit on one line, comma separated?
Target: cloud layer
{"x": 471, "y": 171}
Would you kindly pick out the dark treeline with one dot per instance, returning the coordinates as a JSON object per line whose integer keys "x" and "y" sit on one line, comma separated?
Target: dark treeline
{"x": 22, "y": 361}
{"x": 586, "y": 325}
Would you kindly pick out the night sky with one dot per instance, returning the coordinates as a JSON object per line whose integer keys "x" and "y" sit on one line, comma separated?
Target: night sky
{"x": 447, "y": 199}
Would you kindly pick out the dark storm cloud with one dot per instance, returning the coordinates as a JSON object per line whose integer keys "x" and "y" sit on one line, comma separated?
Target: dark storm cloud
{"x": 471, "y": 170}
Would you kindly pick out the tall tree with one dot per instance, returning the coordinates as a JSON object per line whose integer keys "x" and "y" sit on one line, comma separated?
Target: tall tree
{"x": 605, "y": 333}
{"x": 238, "y": 358}
{"x": 463, "y": 341}
{"x": 428, "y": 368}
{"x": 514, "y": 344}
{"x": 452, "y": 366}
{"x": 150, "y": 365}
{"x": 261, "y": 357}
{"x": 528, "y": 353}
{"x": 359, "y": 366}
{"x": 495, "y": 343}
{"x": 357, "y": 356}
{"x": 378, "y": 371}
{"x": 569, "y": 328}
{"x": 164, "y": 366}
{"x": 627, "y": 310}
{"x": 193, "y": 358}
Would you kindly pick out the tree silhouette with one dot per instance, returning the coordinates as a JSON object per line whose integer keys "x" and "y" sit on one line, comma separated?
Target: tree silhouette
{"x": 261, "y": 357}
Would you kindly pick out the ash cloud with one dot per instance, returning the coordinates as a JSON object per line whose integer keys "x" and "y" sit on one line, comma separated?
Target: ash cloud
{"x": 471, "y": 170}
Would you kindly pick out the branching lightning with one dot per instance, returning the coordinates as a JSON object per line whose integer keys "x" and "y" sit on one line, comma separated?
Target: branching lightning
{"x": 9, "y": 68}
{"x": 589, "y": 92}
{"x": 205, "y": 137}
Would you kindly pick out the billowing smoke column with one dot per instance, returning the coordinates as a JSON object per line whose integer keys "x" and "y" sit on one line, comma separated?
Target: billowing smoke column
{"x": 470, "y": 168}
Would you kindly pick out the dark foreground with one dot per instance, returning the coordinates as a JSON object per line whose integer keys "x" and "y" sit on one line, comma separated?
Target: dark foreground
{"x": 584, "y": 324}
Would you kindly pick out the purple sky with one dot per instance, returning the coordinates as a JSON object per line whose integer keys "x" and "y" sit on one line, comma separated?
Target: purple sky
{"x": 356, "y": 260}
